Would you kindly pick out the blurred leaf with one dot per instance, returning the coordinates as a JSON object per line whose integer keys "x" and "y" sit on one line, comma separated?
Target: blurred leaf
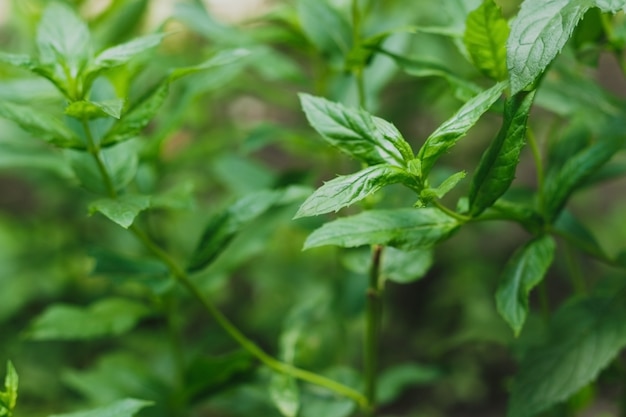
{"x": 326, "y": 28}
{"x": 106, "y": 317}
{"x": 395, "y": 380}
{"x": 8, "y": 397}
{"x": 40, "y": 125}
{"x": 450, "y": 131}
{"x": 522, "y": 273}
{"x": 496, "y": 169}
{"x": 348, "y": 189}
{"x": 123, "y": 408}
{"x": 122, "y": 210}
{"x": 285, "y": 394}
{"x": 121, "y": 54}
{"x": 485, "y": 37}
{"x": 404, "y": 267}
{"x": 356, "y": 132}
{"x": 242, "y": 175}
{"x": 195, "y": 16}
{"x": 320, "y": 402}
{"x": 569, "y": 227}
{"x": 85, "y": 109}
{"x": 401, "y": 228}
{"x": 585, "y": 335}
{"x": 119, "y": 21}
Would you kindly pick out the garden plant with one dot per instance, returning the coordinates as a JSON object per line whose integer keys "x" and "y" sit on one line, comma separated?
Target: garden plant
{"x": 330, "y": 208}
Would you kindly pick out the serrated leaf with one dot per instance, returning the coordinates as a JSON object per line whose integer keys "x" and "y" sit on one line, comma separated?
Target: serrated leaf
{"x": 123, "y": 408}
{"x": 62, "y": 35}
{"x": 285, "y": 394}
{"x": 584, "y": 337}
{"x": 107, "y": 317}
{"x": 486, "y": 32}
{"x": 121, "y": 210}
{"x": 85, "y": 109}
{"x": 401, "y": 228}
{"x": 41, "y": 125}
{"x": 521, "y": 274}
{"x": 326, "y": 28}
{"x": 356, "y": 132}
{"x": 559, "y": 185}
{"x": 496, "y": 169}
{"x": 453, "y": 129}
{"x": 348, "y": 189}
{"x": 539, "y": 32}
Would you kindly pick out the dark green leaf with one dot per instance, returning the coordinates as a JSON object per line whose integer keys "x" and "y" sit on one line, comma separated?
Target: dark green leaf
{"x": 584, "y": 337}
{"x": 402, "y": 228}
{"x": 559, "y": 185}
{"x": 41, "y": 125}
{"x": 85, "y": 109}
{"x": 485, "y": 38}
{"x": 521, "y": 274}
{"x": 325, "y": 27}
{"x": 107, "y": 317}
{"x": 496, "y": 169}
{"x": 123, "y": 408}
{"x": 395, "y": 380}
{"x": 356, "y": 132}
{"x": 121, "y": 210}
{"x": 450, "y": 131}
{"x": 348, "y": 189}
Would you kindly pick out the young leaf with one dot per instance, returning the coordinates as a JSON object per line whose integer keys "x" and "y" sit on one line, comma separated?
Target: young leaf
{"x": 559, "y": 185}
{"x": 348, "y": 189}
{"x": 401, "y": 228}
{"x": 485, "y": 38}
{"x": 121, "y": 54}
{"x": 449, "y": 133}
{"x": 123, "y": 209}
{"x": 107, "y": 317}
{"x": 522, "y": 273}
{"x": 540, "y": 31}
{"x": 584, "y": 337}
{"x": 8, "y": 397}
{"x": 328, "y": 30}
{"x": 446, "y": 186}
{"x": 63, "y": 36}
{"x": 41, "y": 125}
{"x": 496, "y": 169}
{"x": 356, "y": 132}
{"x": 86, "y": 109}
{"x": 123, "y": 408}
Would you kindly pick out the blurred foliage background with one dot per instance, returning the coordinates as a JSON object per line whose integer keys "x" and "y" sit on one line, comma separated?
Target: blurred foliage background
{"x": 237, "y": 129}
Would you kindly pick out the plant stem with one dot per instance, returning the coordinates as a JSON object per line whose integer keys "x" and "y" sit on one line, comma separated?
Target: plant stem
{"x": 374, "y": 313}
{"x": 356, "y": 41}
{"x": 451, "y": 213}
{"x": 182, "y": 277}
{"x": 95, "y": 152}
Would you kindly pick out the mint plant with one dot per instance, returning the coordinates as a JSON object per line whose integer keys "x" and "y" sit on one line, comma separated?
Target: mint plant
{"x": 182, "y": 211}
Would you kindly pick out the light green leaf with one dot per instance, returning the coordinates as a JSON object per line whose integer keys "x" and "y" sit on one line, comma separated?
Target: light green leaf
{"x": 485, "y": 38}
{"x": 522, "y": 273}
{"x": 285, "y": 394}
{"x": 62, "y": 35}
{"x": 326, "y": 28}
{"x": 404, "y": 267}
{"x": 348, "y": 189}
{"x": 539, "y": 32}
{"x": 453, "y": 129}
{"x": 123, "y": 408}
{"x": 120, "y": 54}
{"x": 8, "y": 397}
{"x": 40, "y": 125}
{"x": 222, "y": 58}
{"x": 496, "y": 169}
{"x": 85, "y": 109}
{"x": 356, "y": 132}
{"x": 401, "y": 228}
{"x": 107, "y": 317}
{"x": 559, "y": 185}
{"x": 18, "y": 60}
{"x": 123, "y": 209}
{"x": 585, "y": 335}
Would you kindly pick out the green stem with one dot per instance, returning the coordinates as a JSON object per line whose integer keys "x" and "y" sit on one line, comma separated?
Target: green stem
{"x": 374, "y": 313}
{"x": 95, "y": 152}
{"x": 451, "y": 213}
{"x": 356, "y": 41}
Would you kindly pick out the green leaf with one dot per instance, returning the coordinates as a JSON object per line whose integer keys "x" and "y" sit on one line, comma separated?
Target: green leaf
{"x": 107, "y": 317}
{"x": 569, "y": 227}
{"x": 121, "y": 54}
{"x": 585, "y": 335}
{"x": 220, "y": 59}
{"x": 326, "y": 28}
{"x": 356, "y": 132}
{"x": 404, "y": 267}
{"x": 453, "y": 129}
{"x": 285, "y": 394}
{"x": 348, "y": 189}
{"x": 521, "y": 274}
{"x": 123, "y": 408}
{"x": 485, "y": 38}
{"x": 40, "y": 125}
{"x": 85, "y": 109}
{"x": 63, "y": 36}
{"x": 395, "y": 380}
{"x": 18, "y": 60}
{"x": 540, "y": 31}
{"x": 8, "y": 397}
{"x": 401, "y": 228}
{"x": 559, "y": 185}
{"x": 121, "y": 210}
{"x": 496, "y": 169}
